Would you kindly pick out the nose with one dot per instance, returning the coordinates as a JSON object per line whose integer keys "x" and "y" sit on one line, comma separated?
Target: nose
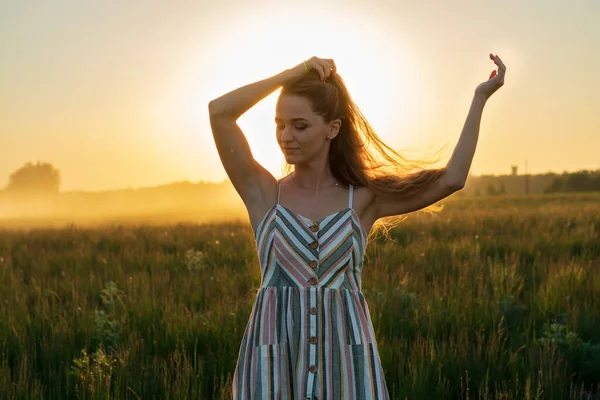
{"x": 286, "y": 135}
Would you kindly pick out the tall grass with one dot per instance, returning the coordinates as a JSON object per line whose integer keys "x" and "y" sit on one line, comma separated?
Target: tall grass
{"x": 494, "y": 298}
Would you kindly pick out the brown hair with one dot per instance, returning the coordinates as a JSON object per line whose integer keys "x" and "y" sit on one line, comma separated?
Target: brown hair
{"x": 357, "y": 155}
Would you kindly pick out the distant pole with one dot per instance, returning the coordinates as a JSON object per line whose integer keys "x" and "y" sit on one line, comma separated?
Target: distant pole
{"x": 526, "y": 179}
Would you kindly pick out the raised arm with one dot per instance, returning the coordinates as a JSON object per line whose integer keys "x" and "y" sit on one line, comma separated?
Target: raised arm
{"x": 460, "y": 163}
{"x": 251, "y": 180}
{"x": 454, "y": 175}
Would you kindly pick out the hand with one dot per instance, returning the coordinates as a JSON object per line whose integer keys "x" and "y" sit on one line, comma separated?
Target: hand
{"x": 495, "y": 81}
{"x": 323, "y": 66}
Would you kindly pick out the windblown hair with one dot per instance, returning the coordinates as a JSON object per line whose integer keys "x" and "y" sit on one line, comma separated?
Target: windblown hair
{"x": 357, "y": 155}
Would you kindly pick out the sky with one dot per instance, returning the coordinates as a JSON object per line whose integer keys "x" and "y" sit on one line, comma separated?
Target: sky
{"x": 114, "y": 93}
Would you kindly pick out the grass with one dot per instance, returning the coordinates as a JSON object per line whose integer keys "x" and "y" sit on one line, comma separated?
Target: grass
{"x": 493, "y": 298}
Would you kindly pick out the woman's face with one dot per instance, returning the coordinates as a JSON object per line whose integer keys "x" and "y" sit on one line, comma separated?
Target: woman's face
{"x": 301, "y": 134}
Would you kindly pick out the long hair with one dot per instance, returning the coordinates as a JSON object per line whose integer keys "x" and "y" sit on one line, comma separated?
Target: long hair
{"x": 357, "y": 155}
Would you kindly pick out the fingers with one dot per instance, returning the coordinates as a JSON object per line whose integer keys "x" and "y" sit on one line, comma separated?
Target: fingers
{"x": 498, "y": 61}
{"x": 332, "y": 65}
{"x": 328, "y": 68}
{"x": 501, "y": 67}
{"x": 316, "y": 64}
{"x": 321, "y": 70}
{"x": 323, "y": 66}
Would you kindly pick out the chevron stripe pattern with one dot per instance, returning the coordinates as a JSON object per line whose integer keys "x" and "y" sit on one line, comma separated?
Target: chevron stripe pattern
{"x": 310, "y": 334}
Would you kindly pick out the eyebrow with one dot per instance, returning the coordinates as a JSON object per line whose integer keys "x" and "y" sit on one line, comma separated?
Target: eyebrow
{"x": 293, "y": 119}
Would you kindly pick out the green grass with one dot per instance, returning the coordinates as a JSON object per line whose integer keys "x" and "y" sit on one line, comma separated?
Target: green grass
{"x": 493, "y": 298}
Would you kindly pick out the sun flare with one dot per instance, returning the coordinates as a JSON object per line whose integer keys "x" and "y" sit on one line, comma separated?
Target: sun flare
{"x": 380, "y": 74}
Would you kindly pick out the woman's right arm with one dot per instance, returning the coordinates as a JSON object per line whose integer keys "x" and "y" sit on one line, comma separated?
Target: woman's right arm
{"x": 250, "y": 179}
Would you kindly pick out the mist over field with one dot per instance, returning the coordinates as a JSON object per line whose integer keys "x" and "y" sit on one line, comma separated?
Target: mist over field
{"x": 495, "y": 297}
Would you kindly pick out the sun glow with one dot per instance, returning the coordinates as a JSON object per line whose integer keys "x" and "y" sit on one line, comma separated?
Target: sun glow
{"x": 380, "y": 72}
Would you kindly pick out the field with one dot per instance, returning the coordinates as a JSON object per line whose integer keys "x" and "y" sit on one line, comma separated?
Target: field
{"x": 492, "y": 298}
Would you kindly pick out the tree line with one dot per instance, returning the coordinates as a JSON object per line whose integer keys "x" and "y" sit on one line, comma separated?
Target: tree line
{"x": 42, "y": 179}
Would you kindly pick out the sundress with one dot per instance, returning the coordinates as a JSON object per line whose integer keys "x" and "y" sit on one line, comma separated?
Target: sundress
{"x": 309, "y": 335}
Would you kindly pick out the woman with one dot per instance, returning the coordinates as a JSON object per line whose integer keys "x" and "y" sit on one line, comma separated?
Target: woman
{"x": 310, "y": 334}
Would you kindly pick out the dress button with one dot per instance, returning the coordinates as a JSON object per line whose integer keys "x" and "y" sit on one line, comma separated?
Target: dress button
{"x": 312, "y": 368}
{"x": 313, "y": 264}
{"x": 313, "y": 310}
{"x": 313, "y": 339}
{"x": 314, "y": 228}
{"x": 314, "y": 244}
{"x": 313, "y": 281}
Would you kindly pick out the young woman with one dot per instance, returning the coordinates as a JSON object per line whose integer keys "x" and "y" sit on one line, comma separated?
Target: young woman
{"x": 310, "y": 334}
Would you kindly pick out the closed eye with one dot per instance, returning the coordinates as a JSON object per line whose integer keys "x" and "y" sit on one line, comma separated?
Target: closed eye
{"x": 300, "y": 128}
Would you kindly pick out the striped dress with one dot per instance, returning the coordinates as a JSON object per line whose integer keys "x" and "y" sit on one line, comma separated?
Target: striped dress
{"x": 310, "y": 334}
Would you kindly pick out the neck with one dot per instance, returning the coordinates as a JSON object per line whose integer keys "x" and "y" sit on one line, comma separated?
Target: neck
{"x": 313, "y": 179}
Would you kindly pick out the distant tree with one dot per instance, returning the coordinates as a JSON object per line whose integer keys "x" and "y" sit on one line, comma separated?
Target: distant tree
{"x": 581, "y": 181}
{"x": 557, "y": 185}
{"x": 34, "y": 179}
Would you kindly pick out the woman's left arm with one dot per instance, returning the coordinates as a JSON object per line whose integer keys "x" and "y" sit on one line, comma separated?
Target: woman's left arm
{"x": 457, "y": 169}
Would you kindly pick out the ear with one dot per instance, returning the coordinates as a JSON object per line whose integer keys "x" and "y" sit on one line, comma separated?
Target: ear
{"x": 334, "y": 128}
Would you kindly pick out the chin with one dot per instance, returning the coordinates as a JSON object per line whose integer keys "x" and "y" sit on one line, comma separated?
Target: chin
{"x": 290, "y": 159}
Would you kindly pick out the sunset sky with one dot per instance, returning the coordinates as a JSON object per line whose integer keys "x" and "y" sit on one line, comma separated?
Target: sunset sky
{"x": 114, "y": 93}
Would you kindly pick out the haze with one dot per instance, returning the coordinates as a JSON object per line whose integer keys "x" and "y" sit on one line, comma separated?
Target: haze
{"x": 114, "y": 94}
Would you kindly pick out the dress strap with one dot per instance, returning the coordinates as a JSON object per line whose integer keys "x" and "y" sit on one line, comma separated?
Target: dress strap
{"x": 277, "y": 196}
{"x": 350, "y": 195}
